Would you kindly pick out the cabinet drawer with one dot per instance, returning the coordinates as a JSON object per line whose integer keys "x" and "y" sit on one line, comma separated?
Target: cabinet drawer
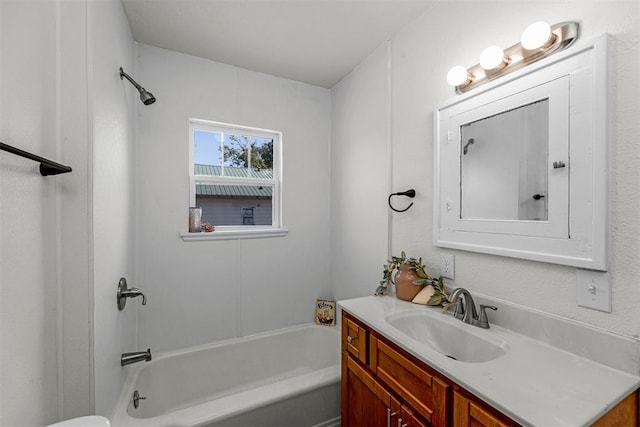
{"x": 354, "y": 338}
{"x": 427, "y": 394}
{"x": 468, "y": 412}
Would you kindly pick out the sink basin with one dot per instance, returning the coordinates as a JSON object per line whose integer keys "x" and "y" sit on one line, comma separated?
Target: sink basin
{"x": 449, "y": 336}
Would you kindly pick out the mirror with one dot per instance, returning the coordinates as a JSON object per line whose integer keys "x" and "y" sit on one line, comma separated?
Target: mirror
{"x": 521, "y": 163}
{"x": 504, "y": 164}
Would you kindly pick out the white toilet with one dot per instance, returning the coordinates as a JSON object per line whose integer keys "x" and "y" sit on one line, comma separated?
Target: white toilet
{"x": 89, "y": 421}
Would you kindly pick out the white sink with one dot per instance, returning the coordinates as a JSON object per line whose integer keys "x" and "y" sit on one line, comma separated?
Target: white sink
{"x": 449, "y": 336}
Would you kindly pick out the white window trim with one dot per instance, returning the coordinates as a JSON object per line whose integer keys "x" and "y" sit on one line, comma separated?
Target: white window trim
{"x": 238, "y": 232}
{"x": 232, "y": 234}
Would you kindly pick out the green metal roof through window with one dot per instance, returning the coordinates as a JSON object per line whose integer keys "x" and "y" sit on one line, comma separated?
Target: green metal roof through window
{"x": 211, "y": 170}
{"x": 217, "y": 190}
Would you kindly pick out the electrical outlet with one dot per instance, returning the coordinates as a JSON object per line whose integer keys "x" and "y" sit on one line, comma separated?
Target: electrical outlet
{"x": 593, "y": 290}
{"x": 447, "y": 266}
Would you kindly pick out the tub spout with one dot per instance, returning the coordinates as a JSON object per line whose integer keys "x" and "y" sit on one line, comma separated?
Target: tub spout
{"x": 135, "y": 357}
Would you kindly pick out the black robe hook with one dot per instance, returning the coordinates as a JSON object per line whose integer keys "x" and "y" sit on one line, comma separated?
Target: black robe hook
{"x": 409, "y": 193}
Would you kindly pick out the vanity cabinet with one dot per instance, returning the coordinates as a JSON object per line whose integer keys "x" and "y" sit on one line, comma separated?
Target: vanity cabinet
{"x": 383, "y": 385}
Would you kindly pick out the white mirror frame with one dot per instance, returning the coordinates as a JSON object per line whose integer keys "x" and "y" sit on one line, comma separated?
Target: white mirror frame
{"x": 586, "y": 245}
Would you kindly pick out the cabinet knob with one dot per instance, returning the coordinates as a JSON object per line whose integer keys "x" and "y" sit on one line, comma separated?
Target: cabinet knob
{"x": 349, "y": 339}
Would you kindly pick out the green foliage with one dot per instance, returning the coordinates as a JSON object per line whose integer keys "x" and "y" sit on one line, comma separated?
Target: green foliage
{"x": 394, "y": 264}
{"x": 439, "y": 296}
{"x": 240, "y": 148}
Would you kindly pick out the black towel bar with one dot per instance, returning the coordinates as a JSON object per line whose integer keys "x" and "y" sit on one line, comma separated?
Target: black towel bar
{"x": 47, "y": 167}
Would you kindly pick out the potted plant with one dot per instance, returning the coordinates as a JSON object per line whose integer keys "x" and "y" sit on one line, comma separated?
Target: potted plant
{"x": 410, "y": 278}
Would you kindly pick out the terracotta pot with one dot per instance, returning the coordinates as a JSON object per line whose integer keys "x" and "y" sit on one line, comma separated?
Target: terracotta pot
{"x": 405, "y": 289}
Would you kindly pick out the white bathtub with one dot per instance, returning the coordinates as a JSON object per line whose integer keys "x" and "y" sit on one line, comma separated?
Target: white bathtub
{"x": 288, "y": 377}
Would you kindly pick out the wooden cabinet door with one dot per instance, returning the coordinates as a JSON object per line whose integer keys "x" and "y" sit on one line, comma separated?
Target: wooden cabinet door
{"x": 468, "y": 412}
{"x": 408, "y": 419}
{"x": 421, "y": 390}
{"x": 365, "y": 403}
{"x": 402, "y": 416}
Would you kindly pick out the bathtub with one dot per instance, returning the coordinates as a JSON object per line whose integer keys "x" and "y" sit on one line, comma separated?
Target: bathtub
{"x": 287, "y": 377}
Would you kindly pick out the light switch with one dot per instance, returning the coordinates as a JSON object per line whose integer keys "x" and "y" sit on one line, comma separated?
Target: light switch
{"x": 594, "y": 290}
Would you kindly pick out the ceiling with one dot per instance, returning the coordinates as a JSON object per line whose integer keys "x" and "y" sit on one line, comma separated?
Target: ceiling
{"x": 312, "y": 41}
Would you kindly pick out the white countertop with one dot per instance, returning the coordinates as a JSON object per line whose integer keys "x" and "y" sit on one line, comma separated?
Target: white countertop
{"x": 533, "y": 383}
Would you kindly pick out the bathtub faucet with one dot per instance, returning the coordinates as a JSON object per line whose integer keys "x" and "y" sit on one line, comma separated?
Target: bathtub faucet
{"x": 135, "y": 357}
{"x": 125, "y": 292}
{"x": 134, "y": 292}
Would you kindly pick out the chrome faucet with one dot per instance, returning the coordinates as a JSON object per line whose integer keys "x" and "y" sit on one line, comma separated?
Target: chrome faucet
{"x": 466, "y": 309}
{"x": 135, "y": 357}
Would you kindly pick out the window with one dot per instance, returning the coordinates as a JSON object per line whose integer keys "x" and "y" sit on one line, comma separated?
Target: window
{"x": 235, "y": 177}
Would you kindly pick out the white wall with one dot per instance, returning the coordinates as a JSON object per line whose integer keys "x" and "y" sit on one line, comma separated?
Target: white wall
{"x": 360, "y": 168}
{"x": 113, "y": 104}
{"x": 45, "y": 365}
{"x": 61, "y": 237}
{"x": 201, "y": 292}
{"x": 455, "y": 33}
{"x": 59, "y": 93}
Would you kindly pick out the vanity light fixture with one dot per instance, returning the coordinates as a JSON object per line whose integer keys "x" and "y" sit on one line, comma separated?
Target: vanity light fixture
{"x": 536, "y": 35}
{"x": 538, "y": 41}
{"x": 458, "y": 75}
{"x": 492, "y": 58}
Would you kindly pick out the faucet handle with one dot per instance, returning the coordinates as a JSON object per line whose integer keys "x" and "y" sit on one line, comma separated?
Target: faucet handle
{"x": 124, "y": 292}
{"x": 483, "y": 321}
{"x": 134, "y": 292}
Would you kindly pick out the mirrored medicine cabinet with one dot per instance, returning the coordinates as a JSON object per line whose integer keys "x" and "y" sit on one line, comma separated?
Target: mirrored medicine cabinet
{"x": 521, "y": 164}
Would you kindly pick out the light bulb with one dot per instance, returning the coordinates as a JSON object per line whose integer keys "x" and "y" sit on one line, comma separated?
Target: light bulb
{"x": 535, "y": 35}
{"x": 492, "y": 57}
{"x": 457, "y": 75}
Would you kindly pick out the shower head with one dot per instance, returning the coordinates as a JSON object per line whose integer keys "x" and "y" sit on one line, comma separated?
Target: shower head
{"x": 146, "y": 97}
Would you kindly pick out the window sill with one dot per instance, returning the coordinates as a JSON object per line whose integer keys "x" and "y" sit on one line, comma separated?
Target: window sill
{"x": 235, "y": 234}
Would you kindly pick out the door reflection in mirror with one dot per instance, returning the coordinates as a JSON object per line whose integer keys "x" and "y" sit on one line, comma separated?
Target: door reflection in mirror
{"x": 494, "y": 150}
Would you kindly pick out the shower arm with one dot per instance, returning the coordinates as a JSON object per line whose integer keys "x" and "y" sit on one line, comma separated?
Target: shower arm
{"x": 133, "y": 82}
{"x": 146, "y": 97}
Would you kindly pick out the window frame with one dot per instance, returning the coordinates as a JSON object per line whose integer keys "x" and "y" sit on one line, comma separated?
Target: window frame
{"x": 225, "y": 232}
